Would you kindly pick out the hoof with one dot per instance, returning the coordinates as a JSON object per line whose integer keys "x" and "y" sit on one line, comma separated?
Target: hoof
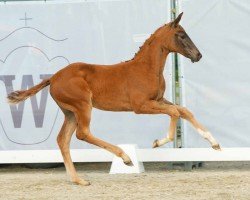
{"x": 128, "y": 163}
{"x": 81, "y": 182}
{"x": 155, "y": 144}
{"x": 126, "y": 159}
{"x": 216, "y": 147}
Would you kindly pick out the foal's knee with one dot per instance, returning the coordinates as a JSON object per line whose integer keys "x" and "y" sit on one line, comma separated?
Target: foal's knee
{"x": 186, "y": 114}
{"x": 174, "y": 112}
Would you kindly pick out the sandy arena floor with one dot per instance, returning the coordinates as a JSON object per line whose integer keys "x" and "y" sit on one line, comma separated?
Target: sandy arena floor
{"x": 213, "y": 181}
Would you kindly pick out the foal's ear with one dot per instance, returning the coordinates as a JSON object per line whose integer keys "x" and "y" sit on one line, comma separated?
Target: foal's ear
{"x": 177, "y": 20}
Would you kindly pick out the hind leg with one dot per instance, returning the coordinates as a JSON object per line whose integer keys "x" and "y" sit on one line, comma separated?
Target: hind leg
{"x": 83, "y": 116}
{"x": 77, "y": 97}
{"x": 63, "y": 141}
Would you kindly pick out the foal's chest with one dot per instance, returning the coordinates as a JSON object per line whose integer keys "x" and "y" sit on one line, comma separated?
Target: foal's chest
{"x": 157, "y": 87}
{"x": 162, "y": 87}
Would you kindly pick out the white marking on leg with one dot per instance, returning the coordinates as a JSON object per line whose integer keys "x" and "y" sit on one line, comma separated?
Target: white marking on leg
{"x": 163, "y": 141}
{"x": 207, "y": 135}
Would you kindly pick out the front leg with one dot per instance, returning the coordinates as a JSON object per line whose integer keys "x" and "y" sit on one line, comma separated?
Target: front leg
{"x": 170, "y": 136}
{"x": 186, "y": 114}
{"x": 155, "y": 107}
{"x": 166, "y": 101}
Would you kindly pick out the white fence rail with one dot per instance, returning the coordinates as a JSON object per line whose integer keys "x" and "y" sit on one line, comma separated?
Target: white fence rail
{"x": 144, "y": 155}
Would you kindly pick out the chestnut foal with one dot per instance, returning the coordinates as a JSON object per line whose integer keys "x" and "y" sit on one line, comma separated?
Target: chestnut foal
{"x": 136, "y": 85}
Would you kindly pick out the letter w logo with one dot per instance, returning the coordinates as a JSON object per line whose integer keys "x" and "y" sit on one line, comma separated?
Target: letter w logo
{"x": 17, "y": 110}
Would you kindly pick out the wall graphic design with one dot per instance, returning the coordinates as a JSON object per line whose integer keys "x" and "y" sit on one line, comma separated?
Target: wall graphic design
{"x": 16, "y": 74}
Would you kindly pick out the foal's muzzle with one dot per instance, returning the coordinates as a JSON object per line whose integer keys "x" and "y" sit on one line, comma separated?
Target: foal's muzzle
{"x": 197, "y": 57}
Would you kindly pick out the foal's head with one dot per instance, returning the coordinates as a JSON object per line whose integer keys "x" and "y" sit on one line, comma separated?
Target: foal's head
{"x": 179, "y": 41}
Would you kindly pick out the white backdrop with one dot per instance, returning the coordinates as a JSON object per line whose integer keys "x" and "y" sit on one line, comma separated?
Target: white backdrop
{"x": 38, "y": 38}
{"x": 217, "y": 88}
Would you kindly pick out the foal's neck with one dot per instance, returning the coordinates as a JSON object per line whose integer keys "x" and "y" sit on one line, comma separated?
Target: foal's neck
{"x": 152, "y": 54}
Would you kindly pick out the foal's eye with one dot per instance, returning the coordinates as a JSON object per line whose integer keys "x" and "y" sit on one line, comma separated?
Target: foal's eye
{"x": 182, "y": 36}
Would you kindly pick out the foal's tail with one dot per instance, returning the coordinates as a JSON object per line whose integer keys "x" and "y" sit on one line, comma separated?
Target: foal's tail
{"x": 18, "y": 96}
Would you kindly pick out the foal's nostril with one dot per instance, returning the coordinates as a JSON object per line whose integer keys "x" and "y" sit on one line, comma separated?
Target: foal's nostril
{"x": 199, "y": 56}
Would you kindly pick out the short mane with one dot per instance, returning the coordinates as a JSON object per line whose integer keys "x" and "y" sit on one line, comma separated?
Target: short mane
{"x": 148, "y": 42}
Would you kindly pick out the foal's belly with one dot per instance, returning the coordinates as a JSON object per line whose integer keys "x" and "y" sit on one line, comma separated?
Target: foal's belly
{"x": 111, "y": 99}
{"x": 111, "y": 103}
